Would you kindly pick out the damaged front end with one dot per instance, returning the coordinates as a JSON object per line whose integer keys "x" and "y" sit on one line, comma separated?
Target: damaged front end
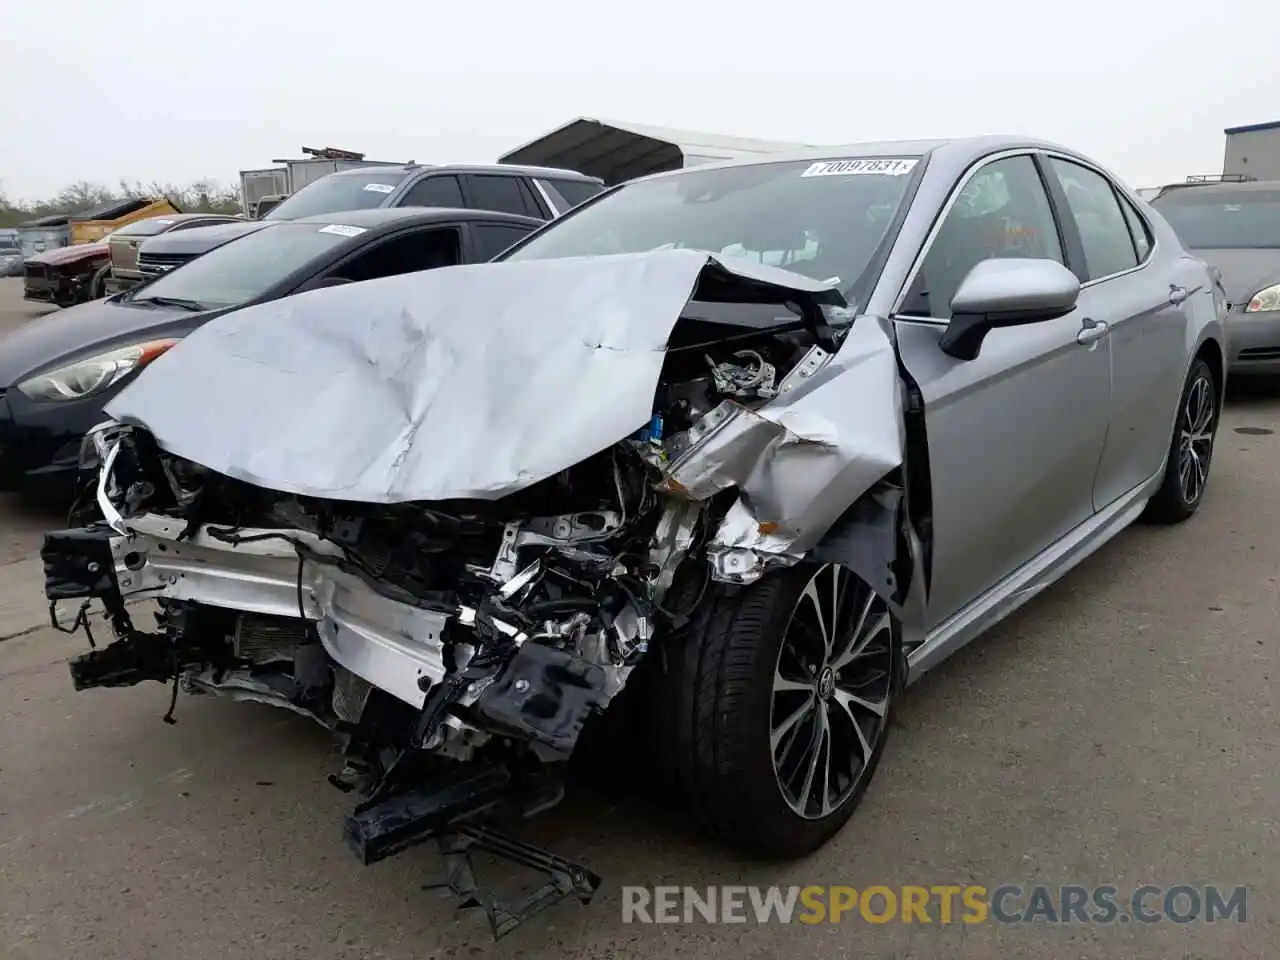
{"x": 461, "y": 643}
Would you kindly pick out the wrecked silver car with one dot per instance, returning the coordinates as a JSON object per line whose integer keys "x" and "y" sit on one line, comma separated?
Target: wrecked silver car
{"x": 766, "y": 440}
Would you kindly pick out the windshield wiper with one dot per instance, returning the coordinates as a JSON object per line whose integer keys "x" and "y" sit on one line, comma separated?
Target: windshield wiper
{"x": 178, "y": 302}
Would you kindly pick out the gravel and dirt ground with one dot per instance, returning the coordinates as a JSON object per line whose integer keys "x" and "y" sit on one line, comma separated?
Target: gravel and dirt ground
{"x": 1122, "y": 729}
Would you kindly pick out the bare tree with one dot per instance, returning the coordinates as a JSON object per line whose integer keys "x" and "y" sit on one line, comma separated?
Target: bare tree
{"x": 202, "y": 196}
{"x": 83, "y": 195}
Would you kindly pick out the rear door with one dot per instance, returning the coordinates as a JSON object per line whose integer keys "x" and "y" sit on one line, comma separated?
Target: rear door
{"x": 1134, "y": 292}
{"x": 1014, "y": 435}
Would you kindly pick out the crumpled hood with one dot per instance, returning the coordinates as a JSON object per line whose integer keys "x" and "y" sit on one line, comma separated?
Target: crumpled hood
{"x": 463, "y": 382}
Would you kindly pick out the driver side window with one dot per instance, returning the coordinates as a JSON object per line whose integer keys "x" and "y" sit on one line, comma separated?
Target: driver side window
{"x": 1002, "y": 212}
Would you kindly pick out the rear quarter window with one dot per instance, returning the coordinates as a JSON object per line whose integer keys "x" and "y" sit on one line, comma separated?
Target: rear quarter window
{"x": 570, "y": 193}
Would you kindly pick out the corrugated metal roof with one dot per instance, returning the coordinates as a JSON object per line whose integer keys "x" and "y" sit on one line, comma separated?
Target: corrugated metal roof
{"x": 617, "y": 151}
{"x": 49, "y": 220}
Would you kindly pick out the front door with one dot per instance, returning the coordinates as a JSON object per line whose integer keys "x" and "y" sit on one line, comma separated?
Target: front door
{"x": 1014, "y": 435}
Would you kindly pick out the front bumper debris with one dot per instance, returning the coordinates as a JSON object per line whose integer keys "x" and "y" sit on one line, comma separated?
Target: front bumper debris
{"x": 452, "y": 812}
{"x": 390, "y": 644}
{"x": 458, "y": 807}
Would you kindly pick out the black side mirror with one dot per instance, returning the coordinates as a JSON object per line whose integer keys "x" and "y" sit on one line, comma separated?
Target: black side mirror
{"x": 1006, "y": 293}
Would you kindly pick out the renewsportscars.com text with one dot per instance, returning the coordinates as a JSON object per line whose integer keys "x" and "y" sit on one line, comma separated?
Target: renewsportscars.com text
{"x": 943, "y": 903}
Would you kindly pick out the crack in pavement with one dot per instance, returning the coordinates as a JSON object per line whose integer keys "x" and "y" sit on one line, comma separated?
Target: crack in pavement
{"x": 22, "y": 633}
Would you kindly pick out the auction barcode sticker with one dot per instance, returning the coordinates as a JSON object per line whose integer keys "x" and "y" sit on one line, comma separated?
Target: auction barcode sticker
{"x": 342, "y": 230}
{"x": 883, "y": 166}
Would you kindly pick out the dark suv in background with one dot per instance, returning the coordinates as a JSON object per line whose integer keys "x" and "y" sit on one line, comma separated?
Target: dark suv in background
{"x": 539, "y": 192}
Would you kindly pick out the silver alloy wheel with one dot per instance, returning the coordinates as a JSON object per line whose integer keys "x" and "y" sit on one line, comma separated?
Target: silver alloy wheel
{"x": 1195, "y": 439}
{"x": 831, "y": 689}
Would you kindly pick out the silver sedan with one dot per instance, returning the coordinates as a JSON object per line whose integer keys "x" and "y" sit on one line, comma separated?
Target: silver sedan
{"x": 764, "y": 441}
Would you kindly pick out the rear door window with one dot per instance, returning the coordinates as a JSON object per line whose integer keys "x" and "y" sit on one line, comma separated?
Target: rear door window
{"x": 437, "y": 191}
{"x": 1138, "y": 229}
{"x": 493, "y": 192}
{"x": 492, "y": 238}
{"x": 1104, "y": 231}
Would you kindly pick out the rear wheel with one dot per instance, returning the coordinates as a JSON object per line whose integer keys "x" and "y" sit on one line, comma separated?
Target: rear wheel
{"x": 775, "y": 703}
{"x": 1186, "y": 473}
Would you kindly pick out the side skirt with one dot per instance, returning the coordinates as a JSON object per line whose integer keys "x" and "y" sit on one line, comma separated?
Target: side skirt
{"x": 1023, "y": 584}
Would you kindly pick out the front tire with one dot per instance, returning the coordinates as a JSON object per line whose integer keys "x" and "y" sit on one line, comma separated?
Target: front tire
{"x": 774, "y": 704}
{"x": 1190, "y": 451}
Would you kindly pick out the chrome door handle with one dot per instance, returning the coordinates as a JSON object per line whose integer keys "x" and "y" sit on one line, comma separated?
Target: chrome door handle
{"x": 1092, "y": 331}
{"x": 1178, "y": 295}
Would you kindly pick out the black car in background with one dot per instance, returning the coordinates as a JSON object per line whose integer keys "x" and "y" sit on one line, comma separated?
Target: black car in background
{"x": 57, "y": 373}
{"x": 538, "y": 192}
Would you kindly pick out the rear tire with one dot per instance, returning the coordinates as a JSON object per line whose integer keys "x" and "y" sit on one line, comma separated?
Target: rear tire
{"x": 747, "y": 689}
{"x": 1186, "y": 473}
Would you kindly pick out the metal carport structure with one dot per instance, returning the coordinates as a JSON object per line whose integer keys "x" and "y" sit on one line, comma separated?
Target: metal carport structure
{"x": 615, "y": 151}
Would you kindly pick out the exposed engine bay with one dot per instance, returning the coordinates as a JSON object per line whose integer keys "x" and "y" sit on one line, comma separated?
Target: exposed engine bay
{"x": 479, "y": 636}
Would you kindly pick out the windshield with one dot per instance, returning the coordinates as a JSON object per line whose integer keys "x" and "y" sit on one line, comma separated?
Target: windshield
{"x": 246, "y": 268}
{"x": 1240, "y": 220}
{"x": 342, "y": 191}
{"x": 822, "y": 219}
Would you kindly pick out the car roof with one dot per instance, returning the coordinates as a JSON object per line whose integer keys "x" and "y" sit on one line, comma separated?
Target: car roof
{"x": 954, "y": 154}
{"x": 510, "y": 169}
{"x": 373, "y": 217}
{"x": 180, "y": 217}
{"x": 218, "y": 218}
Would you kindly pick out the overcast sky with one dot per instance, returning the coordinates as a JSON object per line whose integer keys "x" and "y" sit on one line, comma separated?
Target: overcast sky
{"x": 175, "y": 92}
